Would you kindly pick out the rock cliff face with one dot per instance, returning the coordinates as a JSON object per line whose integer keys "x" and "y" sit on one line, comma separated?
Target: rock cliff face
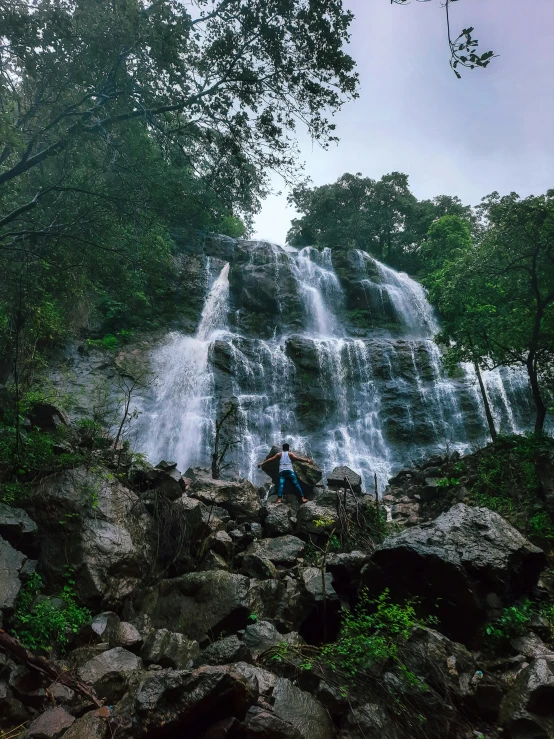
{"x": 331, "y": 351}
{"x": 208, "y": 604}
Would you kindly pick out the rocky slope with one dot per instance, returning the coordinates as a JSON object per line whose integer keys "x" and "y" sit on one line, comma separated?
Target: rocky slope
{"x": 210, "y": 603}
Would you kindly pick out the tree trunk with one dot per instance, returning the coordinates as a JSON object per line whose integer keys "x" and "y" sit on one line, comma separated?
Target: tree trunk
{"x": 537, "y": 397}
{"x": 490, "y": 419}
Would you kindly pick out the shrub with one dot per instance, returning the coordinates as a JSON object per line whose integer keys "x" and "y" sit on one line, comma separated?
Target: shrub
{"x": 41, "y": 624}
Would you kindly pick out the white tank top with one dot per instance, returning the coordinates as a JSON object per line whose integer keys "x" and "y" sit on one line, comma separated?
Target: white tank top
{"x": 285, "y": 463}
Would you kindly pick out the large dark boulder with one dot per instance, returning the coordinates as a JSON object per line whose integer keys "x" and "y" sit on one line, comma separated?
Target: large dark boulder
{"x": 88, "y": 518}
{"x": 239, "y": 498}
{"x": 199, "y": 605}
{"x": 308, "y": 474}
{"x": 343, "y": 477}
{"x": 110, "y": 671}
{"x": 454, "y": 563}
{"x": 283, "y": 550}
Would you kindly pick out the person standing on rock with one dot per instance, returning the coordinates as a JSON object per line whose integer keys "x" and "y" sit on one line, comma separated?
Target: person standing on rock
{"x": 286, "y": 471}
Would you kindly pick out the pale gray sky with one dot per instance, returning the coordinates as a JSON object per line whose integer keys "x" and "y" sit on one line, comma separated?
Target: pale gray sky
{"x": 491, "y": 130}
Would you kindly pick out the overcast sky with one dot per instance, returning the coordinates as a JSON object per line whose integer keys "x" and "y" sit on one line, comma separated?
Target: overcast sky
{"x": 491, "y": 130}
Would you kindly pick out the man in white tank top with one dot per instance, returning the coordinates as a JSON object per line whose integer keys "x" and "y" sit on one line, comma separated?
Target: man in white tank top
{"x": 286, "y": 471}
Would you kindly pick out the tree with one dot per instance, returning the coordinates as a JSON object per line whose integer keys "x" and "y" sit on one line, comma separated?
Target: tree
{"x": 382, "y": 217}
{"x": 447, "y": 247}
{"x": 119, "y": 120}
{"x": 463, "y": 48}
{"x": 225, "y": 437}
{"x": 497, "y": 297}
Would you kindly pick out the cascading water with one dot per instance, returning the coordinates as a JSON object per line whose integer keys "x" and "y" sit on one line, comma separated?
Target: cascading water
{"x": 180, "y": 424}
{"x": 372, "y": 403}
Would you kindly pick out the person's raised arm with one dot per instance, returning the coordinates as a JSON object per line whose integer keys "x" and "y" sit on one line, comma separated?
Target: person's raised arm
{"x": 300, "y": 459}
{"x": 275, "y": 456}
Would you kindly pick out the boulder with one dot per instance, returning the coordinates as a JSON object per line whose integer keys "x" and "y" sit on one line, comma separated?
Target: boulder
{"x": 17, "y": 528}
{"x": 212, "y": 561}
{"x": 258, "y": 680}
{"x": 283, "y": 550}
{"x": 224, "y": 651}
{"x": 90, "y": 726}
{"x": 169, "y": 649}
{"x": 261, "y": 723}
{"x": 277, "y": 522}
{"x": 126, "y": 635}
{"x": 262, "y": 635}
{"x": 308, "y": 717}
{"x": 11, "y": 564}
{"x": 239, "y": 498}
{"x": 48, "y": 417}
{"x": 527, "y": 711}
{"x": 312, "y": 581}
{"x": 222, "y": 544}
{"x": 454, "y": 563}
{"x": 50, "y": 725}
{"x": 317, "y": 517}
{"x": 338, "y": 476}
{"x": 258, "y": 566}
{"x": 308, "y": 474}
{"x": 109, "y": 672}
{"x": 87, "y": 517}
{"x": 173, "y": 701}
{"x": 196, "y": 604}
{"x": 369, "y": 721}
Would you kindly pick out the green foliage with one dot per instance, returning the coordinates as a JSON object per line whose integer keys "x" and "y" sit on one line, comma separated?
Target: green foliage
{"x": 372, "y": 633}
{"x": 381, "y": 217}
{"x": 446, "y": 482}
{"x": 514, "y": 621}
{"x": 43, "y": 624}
{"x": 507, "y": 483}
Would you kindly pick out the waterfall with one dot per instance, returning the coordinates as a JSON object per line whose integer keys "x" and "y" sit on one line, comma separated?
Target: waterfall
{"x": 373, "y": 402}
{"x": 178, "y": 423}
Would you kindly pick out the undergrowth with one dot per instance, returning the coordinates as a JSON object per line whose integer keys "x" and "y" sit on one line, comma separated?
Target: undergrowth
{"x": 44, "y": 623}
{"x": 516, "y": 621}
{"x": 507, "y": 483}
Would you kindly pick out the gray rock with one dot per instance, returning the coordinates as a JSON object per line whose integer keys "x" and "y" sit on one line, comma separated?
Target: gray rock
{"x": 317, "y": 517}
{"x": 313, "y": 582}
{"x": 18, "y": 528}
{"x": 300, "y": 709}
{"x": 169, "y": 649}
{"x": 48, "y": 417}
{"x": 126, "y": 635}
{"x": 212, "y": 561}
{"x": 277, "y": 521}
{"x": 222, "y": 544}
{"x": 262, "y": 635}
{"x": 173, "y": 702}
{"x": 109, "y": 672}
{"x": 240, "y": 499}
{"x": 262, "y": 723}
{"x": 456, "y": 561}
{"x": 89, "y": 726}
{"x": 224, "y": 651}
{"x": 368, "y": 721}
{"x": 531, "y": 646}
{"x": 257, "y": 566}
{"x": 51, "y": 724}
{"x": 340, "y": 474}
{"x": 99, "y": 526}
{"x": 195, "y": 604}
{"x": 258, "y": 680}
{"x": 283, "y": 550}
{"x": 11, "y": 563}
{"x": 528, "y": 708}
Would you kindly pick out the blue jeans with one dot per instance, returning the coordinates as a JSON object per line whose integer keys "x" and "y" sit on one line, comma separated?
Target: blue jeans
{"x": 288, "y": 475}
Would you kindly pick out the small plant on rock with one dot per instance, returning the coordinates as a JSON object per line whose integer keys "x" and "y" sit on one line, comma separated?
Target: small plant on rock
{"x": 42, "y": 623}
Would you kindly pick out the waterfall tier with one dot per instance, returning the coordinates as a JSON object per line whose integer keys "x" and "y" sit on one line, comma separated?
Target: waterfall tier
{"x": 332, "y": 352}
